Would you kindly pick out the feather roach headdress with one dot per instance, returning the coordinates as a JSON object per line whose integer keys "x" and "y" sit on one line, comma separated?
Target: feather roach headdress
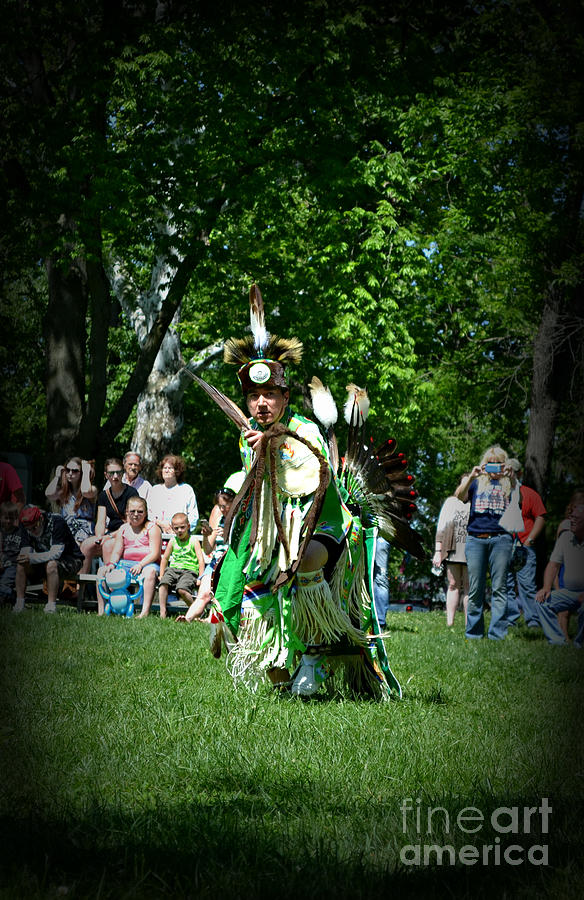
{"x": 261, "y": 356}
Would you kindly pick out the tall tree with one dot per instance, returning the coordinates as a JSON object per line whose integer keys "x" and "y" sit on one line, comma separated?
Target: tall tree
{"x": 393, "y": 182}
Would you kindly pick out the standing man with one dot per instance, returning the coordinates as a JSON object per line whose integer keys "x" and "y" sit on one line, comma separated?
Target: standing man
{"x": 533, "y": 512}
{"x": 569, "y": 553}
{"x": 292, "y": 598}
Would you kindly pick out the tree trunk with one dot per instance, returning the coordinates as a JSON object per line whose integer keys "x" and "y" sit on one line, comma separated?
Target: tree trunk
{"x": 65, "y": 346}
{"x": 555, "y": 359}
{"x": 159, "y": 414}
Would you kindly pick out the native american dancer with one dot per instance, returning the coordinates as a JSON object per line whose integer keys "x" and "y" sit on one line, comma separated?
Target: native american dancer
{"x": 293, "y": 593}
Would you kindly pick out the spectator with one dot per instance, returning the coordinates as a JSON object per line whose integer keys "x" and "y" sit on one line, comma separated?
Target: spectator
{"x": 73, "y": 492}
{"x": 569, "y": 553}
{"x": 132, "y": 469}
{"x": 48, "y": 549}
{"x": 235, "y": 481}
{"x": 488, "y": 545}
{"x": 11, "y": 538}
{"x": 181, "y": 565}
{"x": 172, "y": 495}
{"x": 533, "y": 512}
{"x": 111, "y": 513}
{"x": 381, "y": 580}
{"x": 564, "y": 616}
{"x": 10, "y": 485}
{"x": 137, "y": 549}
{"x": 450, "y": 545}
{"x": 214, "y": 546}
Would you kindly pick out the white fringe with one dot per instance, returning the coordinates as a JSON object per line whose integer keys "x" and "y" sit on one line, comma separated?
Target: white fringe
{"x": 266, "y": 534}
{"x": 248, "y": 659}
{"x": 316, "y": 617}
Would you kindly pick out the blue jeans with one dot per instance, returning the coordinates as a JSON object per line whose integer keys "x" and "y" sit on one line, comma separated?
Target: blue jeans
{"x": 559, "y": 601}
{"x": 381, "y": 580}
{"x": 8, "y": 582}
{"x": 492, "y": 554}
{"x": 526, "y": 589}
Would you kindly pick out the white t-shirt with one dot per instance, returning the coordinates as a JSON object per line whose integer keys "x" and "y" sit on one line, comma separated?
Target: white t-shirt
{"x": 164, "y": 502}
{"x": 451, "y": 528}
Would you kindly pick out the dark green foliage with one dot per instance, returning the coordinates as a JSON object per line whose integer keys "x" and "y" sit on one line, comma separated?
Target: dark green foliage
{"x": 403, "y": 183}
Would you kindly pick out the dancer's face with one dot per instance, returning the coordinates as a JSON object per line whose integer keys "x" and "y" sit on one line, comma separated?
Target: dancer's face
{"x": 267, "y": 405}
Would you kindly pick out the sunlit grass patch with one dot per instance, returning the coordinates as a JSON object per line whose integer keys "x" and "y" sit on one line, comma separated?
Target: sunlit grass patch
{"x": 132, "y": 766}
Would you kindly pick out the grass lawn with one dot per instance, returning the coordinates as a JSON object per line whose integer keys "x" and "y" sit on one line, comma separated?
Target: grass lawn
{"x": 131, "y": 767}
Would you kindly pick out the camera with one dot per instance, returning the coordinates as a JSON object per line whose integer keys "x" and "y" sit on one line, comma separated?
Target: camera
{"x": 495, "y": 468}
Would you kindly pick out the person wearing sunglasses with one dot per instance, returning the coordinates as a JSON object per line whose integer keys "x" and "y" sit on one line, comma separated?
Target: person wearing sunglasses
{"x": 111, "y": 515}
{"x": 73, "y": 495}
{"x": 132, "y": 469}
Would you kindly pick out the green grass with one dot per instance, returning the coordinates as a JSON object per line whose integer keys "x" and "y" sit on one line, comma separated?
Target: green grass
{"x": 132, "y": 767}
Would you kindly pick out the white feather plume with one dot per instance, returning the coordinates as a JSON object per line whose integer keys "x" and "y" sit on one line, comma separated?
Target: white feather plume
{"x": 257, "y": 319}
{"x": 356, "y": 405}
{"x": 323, "y": 405}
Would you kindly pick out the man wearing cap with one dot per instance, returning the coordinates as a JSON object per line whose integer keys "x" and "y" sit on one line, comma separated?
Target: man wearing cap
{"x": 48, "y": 549}
{"x": 533, "y": 512}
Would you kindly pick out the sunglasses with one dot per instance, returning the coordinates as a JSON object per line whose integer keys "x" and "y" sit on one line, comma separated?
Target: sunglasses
{"x": 71, "y": 471}
{"x": 114, "y": 473}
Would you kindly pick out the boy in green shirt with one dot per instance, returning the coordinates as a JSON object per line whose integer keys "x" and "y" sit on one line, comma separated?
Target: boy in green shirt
{"x": 181, "y": 564}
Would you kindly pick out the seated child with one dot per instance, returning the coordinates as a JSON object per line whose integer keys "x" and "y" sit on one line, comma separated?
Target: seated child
{"x": 214, "y": 546}
{"x": 137, "y": 549}
{"x": 184, "y": 559}
{"x": 11, "y": 538}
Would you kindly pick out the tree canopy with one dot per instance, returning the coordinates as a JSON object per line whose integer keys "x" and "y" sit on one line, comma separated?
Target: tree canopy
{"x": 403, "y": 181}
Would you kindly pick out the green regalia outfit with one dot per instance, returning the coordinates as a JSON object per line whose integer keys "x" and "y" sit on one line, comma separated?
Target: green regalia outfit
{"x": 274, "y": 613}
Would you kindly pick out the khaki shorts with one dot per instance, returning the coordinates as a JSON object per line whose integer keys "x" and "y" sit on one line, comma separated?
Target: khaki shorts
{"x": 180, "y": 579}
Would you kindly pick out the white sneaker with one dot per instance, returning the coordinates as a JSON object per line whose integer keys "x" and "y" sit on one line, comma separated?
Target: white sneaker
{"x": 50, "y": 607}
{"x": 18, "y": 606}
{"x": 311, "y": 675}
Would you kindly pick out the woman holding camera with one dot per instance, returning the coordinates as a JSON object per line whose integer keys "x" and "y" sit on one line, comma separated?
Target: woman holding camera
{"x": 488, "y": 544}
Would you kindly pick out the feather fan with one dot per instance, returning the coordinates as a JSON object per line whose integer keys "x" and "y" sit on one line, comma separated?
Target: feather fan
{"x": 231, "y": 409}
{"x": 377, "y": 482}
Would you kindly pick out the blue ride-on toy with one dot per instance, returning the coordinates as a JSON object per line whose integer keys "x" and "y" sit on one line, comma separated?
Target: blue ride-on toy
{"x": 121, "y": 591}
